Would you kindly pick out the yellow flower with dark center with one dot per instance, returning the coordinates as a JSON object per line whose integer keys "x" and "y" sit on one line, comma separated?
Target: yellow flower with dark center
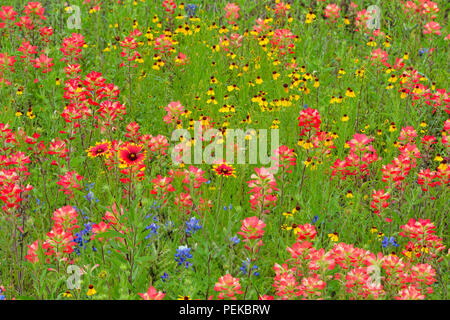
{"x": 30, "y": 114}
{"x": 67, "y": 294}
{"x": 212, "y": 100}
{"x": 349, "y": 194}
{"x": 316, "y": 83}
{"x": 345, "y": 118}
{"x": 333, "y": 236}
{"x": 275, "y": 75}
{"x": 294, "y": 227}
{"x": 91, "y": 290}
{"x": 393, "y": 78}
{"x": 372, "y": 43}
{"x": 403, "y": 94}
{"x": 443, "y": 166}
{"x": 392, "y": 127}
{"x": 232, "y": 88}
{"x": 288, "y": 214}
{"x": 184, "y": 298}
{"x": 310, "y": 17}
{"x": 307, "y": 144}
{"x": 373, "y": 230}
{"x": 438, "y": 158}
{"x": 350, "y": 93}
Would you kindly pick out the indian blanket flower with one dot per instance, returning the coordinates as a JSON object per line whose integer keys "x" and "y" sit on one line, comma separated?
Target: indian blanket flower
{"x": 223, "y": 169}
{"x": 132, "y": 154}
{"x": 100, "y": 149}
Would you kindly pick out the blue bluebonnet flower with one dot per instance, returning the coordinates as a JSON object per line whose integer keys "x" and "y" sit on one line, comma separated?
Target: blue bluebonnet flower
{"x": 208, "y": 182}
{"x": 235, "y": 240}
{"x": 422, "y": 51}
{"x": 305, "y": 106}
{"x": 314, "y": 220}
{"x": 154, "y": 205}
{"x": 90, "y": 195}
{"x": 228, "y": 208}
{"x": 169, "y": 224}
{"x": 245, "y": 267}
{"x": 2, "y": 297}
{"x": 39, "y": 204}
{"x": 165, "y": 277}
{"x": 82, "y": 237}
{"x": 192, "y": 226}
{"x": 392, "y": 241}
{"x": 386, "y": 241}
{"x": 191, "y": 9}
{"x": 153, "y": 227}
{"x": 182, "y": 256}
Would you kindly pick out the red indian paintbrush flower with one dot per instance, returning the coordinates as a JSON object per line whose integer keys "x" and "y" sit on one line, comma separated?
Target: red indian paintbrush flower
{"x": 152, "y": 294}
{"x": 252, "y": 228}
{"x": 228, "y": 286}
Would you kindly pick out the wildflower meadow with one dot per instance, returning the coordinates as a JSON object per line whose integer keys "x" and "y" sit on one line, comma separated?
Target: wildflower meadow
{"x": 215, "y": 150}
